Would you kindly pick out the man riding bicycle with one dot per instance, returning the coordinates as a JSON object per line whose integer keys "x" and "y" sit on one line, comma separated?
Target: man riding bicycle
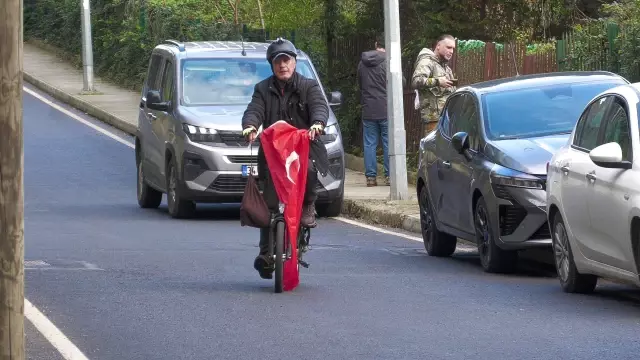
{"x": 289, "y": 96}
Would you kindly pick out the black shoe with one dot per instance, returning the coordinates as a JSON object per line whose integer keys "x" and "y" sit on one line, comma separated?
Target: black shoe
{"x": 308, "y": 216}
{"x": 263, "y": 266}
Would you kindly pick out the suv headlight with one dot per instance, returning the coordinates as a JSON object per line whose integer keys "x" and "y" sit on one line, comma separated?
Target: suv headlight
{"x": 501, "y": 176}
{"x": 517, "y": 182}
{"x": 201, "y": 134}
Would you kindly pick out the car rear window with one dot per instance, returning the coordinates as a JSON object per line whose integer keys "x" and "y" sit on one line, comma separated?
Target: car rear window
{"x": 538, "y": 111}
{"x": 226, "y": 81}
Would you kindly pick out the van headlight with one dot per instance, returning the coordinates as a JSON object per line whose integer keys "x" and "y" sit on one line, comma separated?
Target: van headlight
{"x": 201, "y": 134}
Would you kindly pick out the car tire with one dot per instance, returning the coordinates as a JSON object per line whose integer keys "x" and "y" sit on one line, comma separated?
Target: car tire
{"x": 331, "y": 209}
{"x": 570, "y": 279}
{"x": 436, "y": 243}
{"x": 148, "y": 197}
{"x": 493, "y": 258}
{"x": 178, "y": 207}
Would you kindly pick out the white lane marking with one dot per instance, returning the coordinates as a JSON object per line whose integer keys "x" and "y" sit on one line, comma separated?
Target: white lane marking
{"x": 462, "y": 245}
{"x": 59, "y": 341}
{"x": 374, "y": 228}
{"x": 78, "y": 118}
{"x": 123, "y": 141}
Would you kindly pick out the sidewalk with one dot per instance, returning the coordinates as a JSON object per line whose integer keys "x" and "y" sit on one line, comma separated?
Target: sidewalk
{"x": 119, "y": 108}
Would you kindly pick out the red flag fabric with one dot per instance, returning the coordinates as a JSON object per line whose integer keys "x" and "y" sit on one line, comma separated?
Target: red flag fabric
{"x": 286, "y": 149}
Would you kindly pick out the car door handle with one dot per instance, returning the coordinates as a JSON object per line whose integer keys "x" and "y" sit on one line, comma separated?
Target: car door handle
{"x": 152, "y": 116}
{"x": 565, "y": 169}
{"x": 446, "y": 164}
{"x": 591, "y": 176}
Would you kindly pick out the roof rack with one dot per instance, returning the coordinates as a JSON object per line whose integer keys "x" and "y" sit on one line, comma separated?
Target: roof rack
{"x": 175, "y": 43}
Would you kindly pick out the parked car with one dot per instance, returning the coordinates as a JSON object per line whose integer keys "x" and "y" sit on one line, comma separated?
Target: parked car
{"x": 593, "y": 199}
{"x": 189, "y": 141}
{"x": 482, "y": 171}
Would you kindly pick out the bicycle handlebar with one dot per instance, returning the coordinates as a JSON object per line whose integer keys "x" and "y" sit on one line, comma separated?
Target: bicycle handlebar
{"x": 324, "y": 138}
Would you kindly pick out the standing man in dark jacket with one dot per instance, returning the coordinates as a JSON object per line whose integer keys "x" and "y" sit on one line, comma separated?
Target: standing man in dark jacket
{"x": 372, "y": 79}
{"x": 289, "y": 96}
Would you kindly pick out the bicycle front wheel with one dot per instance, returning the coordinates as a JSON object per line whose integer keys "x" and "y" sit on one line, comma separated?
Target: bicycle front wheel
{"x": 279, "y": 263}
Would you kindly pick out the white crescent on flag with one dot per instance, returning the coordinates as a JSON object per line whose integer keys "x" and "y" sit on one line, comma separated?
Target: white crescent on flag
{"x": 290, "y": 159}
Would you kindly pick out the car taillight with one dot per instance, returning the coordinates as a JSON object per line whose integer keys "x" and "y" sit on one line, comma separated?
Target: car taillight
{"x": 547, "y": 167}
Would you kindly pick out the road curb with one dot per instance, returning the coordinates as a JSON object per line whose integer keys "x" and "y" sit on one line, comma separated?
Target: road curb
{"x": 359, "y": 210}
{"x": 81, "y": 105}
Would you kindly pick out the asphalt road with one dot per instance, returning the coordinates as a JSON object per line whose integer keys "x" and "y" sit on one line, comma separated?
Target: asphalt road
{"x": 126, "y": 283}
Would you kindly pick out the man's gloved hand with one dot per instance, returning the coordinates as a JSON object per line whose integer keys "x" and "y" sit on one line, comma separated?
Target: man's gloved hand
{"x": 315, "y": 130}
{"x": 250, "y": 133}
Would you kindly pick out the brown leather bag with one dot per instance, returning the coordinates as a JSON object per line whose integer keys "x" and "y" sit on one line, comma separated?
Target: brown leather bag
{"x": 254, "y": 211}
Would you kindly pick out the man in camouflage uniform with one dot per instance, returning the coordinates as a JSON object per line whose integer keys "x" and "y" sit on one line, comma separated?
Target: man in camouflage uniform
{"x": 433, "y": 79}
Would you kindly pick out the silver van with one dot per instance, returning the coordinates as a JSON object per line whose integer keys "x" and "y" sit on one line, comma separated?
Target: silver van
{"x": 189, "y": 142}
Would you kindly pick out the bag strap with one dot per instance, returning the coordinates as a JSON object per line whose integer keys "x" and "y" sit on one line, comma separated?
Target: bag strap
{"x": 251, "y": 155}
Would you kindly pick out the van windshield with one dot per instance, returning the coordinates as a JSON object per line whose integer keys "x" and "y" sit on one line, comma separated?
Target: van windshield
{"x": 226, "y": 81}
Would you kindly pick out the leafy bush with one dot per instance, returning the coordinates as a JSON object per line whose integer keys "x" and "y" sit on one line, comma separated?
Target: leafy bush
{"x": 123, "y": 31}
{"x": 626, "y": 48}
{"x": 611, "y": 43}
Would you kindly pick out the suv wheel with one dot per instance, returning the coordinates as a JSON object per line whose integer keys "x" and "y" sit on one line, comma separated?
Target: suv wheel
{"x": 436, "y": 243}
{"x": 331, "y": 209}
{"x": 148, "y": 197}
{"x": 492, "y": 258}
{"x": 178, "y": 207}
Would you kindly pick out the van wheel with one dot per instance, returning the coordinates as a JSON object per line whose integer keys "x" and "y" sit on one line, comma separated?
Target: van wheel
{"x": 436, "y": 243}
{"x": 178, "y": 207}
{"x": 148, "y": 197}
{"x": 570, "y": 279}
{"x": 492, "y": 258}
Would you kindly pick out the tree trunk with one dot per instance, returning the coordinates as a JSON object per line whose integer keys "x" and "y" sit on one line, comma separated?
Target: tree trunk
{"x": 11, "y": 182}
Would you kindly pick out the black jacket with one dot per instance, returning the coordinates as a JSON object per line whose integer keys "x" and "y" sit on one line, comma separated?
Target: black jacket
{"x": 301, "y": 103}
{"x": 372, "y": 79}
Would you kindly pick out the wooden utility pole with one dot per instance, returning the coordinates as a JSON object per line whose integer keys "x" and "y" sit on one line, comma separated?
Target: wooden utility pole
{"x": 11, "y": 182}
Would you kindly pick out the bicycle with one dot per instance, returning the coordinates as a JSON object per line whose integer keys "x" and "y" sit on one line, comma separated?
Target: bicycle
{"x": 279, "y": 248}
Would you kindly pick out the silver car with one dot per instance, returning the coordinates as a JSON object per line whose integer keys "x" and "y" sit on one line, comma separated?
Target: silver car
{"x": 482, "y": 171}
{"x": 189, "y": 141}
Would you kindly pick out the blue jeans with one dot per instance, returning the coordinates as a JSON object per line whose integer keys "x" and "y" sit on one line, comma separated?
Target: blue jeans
{"x": 373, "y": 128}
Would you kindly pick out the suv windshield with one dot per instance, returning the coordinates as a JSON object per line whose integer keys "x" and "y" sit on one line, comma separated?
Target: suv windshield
{"x": 538, "y": 111}
{"x": 226, "y": 81}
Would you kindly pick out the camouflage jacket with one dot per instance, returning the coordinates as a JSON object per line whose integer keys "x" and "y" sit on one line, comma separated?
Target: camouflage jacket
{"x": 427, "y": 68}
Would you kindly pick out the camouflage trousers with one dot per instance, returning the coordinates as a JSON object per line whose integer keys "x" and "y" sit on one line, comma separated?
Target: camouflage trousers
{"x": 429, "y": 120}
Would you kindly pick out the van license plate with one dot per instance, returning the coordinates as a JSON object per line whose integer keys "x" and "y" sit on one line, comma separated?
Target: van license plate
{"x": 246, "y": 169}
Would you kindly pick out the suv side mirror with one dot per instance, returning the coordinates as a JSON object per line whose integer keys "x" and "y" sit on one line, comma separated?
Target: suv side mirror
{"x": 335, "y": 99}
{"x": 154, "y": 101}
{"x": 460, "y": 142}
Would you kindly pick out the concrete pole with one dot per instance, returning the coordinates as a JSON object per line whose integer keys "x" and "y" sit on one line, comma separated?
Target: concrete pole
{"x": 11, "y": 183}
{"x": 395, "y": 108}
{"x": 87, "y": 47}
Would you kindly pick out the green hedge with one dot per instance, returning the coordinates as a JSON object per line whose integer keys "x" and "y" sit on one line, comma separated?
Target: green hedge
{"x": 123, "y": 32}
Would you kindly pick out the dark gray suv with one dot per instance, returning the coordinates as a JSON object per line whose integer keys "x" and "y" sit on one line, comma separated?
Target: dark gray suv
{"x": 189, "y": 141}
{"x": 482, "y": 172}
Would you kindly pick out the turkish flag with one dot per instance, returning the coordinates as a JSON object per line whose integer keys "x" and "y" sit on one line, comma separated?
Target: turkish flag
{"x": 286, "y": 149}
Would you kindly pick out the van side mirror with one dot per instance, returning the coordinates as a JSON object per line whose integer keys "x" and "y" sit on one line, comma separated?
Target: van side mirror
{"x": 335, "y": 99}
{"x": 154, "y": 101}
